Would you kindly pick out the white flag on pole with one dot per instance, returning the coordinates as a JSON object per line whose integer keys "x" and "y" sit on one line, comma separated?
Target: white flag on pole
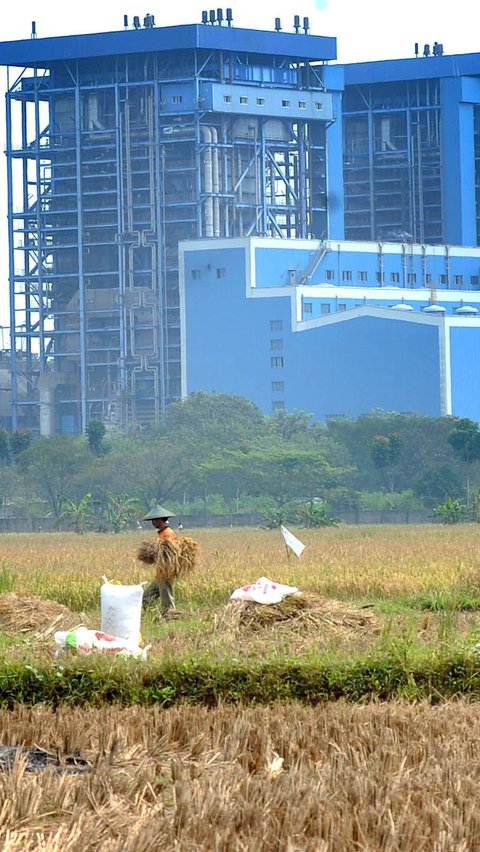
{"x": 292, "y": 542}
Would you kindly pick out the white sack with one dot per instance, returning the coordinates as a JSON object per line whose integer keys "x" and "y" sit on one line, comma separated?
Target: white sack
{"x": 264, "y": 591}
{"x": 121, "y": 610}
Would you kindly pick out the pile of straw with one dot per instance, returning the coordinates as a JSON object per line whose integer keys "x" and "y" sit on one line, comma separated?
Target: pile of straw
{"x": 24, "y": 613}
{"x": 172, "y": 558}
{"x": 299, "y": 612}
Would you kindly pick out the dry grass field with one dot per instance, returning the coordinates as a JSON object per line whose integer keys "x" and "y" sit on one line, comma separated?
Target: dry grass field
{"x": 391, "y": 777}
{"x": 378, "y": 567}
{"x": 345, "y": 561}
{"x": 332, "y": 778}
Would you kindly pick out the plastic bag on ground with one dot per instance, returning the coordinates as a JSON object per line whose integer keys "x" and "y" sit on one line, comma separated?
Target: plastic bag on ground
{"x": 264, "y": 591}
{"x": 121, "y": 608}
{"x": 84, "y": 641}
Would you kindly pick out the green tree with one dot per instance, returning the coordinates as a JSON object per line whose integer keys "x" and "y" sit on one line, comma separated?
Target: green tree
{"x": 386, "y": 452}
{"x": 95, "y": 432}
{"x": 20, "y": 441}
{"x": 218, "y": 419}
{"x": 465, "y": 440}
{"x": 51, "y": 467}
{"x": 437, "y": 483}
{"x": 4, "y": 446}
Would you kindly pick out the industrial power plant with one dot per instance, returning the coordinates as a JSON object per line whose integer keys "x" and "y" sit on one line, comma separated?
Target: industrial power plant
{"x": 206, "y": 207}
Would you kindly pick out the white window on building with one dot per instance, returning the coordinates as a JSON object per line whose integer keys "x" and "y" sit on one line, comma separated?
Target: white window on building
{"x": 278, "y": 405}
{"x": 243, "y": 99}
{"x": 363, "y": 275}
{"x": 221, "y": 272}
{"x": 329, "y": 274}
{"x": 276, "y": 344}
{"x": 308, "y": 307}
{"x": 260, "y": 101}
{"x": 196, "y": 274}
{"x": 276, "y": 325}
{"x": 412, "y": 278}
{"x": 177, "y": 99}
{"x": 324, "y": 309}
{"x": 347, "y": 275}
{"x": 227, "y": 99}
{"x": 278, "y": 387}
{"x": 458, "y": 280}
{"x": 395, "y": 277}
{"x": 285, "y": 103}
{"x": 276, "y": 361}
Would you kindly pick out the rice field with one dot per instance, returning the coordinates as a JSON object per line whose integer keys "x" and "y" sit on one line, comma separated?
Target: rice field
{"x": 331, "y": 778}
{"x": 401, "y": 573}
{"x": 395, "y": 777}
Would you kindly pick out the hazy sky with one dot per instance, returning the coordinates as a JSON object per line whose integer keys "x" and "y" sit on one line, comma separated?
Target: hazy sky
{"x": 364, "y": 29}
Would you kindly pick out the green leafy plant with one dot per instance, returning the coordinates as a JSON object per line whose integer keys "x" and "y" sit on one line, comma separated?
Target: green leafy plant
{"x": 451, "y": 511}
{"x": 316, "y": 514}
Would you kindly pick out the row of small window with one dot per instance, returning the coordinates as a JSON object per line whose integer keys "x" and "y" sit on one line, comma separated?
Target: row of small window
{"x": 324, "y": 309}
{"x": 220, "y": 272}
{"x": 286, "y": 103}
{"x": 347, "y": 275}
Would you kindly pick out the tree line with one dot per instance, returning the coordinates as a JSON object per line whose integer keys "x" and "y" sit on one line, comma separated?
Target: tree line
{"x": 215, "y": 453}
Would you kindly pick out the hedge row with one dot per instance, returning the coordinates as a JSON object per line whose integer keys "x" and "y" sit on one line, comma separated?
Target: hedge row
{"x": 92, "y": 682}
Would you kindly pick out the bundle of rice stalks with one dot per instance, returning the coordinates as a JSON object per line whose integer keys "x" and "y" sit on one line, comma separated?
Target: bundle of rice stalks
{"x": 25, "y": 613}
{"x": 148, "y": 552}
{"x": 298, "y": 612}
{"x": 173, "y": 558}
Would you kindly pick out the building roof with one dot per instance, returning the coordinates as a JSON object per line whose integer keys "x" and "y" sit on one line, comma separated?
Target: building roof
{"x": 389, "y": 70}
{"x": 45, "y": 51}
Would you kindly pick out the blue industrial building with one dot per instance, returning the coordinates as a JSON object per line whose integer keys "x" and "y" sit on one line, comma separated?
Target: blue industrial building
{"x": 206, "y": 207}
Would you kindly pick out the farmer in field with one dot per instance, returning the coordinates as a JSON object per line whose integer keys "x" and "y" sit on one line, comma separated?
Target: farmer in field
{"x": 172, "y": 557}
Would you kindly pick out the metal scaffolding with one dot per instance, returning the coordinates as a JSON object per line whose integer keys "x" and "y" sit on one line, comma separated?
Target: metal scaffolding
{"x": 392, "y": 164}
{"x": 111, "y": 162}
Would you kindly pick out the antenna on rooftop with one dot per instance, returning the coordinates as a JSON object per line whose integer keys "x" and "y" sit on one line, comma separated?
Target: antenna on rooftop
{"x": 229, "y": 15}
{"x": 125, "y": 21}
{"x": 136, "y": 22}
{"x": 34, "y": 30}
{"x": 278, "y": 24}
{"x": 306, "y": 25}
{"x": 296, "y": 23}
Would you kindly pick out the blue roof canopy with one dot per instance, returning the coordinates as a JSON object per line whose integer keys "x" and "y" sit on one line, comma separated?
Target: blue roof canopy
{"x": 45, "y": 51}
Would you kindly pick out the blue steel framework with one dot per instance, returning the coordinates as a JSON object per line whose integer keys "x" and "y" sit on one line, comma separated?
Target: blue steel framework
{"x": 412, "y": 150}
{"x": 120, "y": 145}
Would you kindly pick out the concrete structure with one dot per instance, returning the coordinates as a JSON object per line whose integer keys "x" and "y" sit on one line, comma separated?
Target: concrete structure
{"x": 333, "y": 328}
{"x": 341, "y": 202}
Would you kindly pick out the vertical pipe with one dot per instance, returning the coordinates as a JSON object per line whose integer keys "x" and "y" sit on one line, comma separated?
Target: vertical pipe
{"x": 81, "y": 278}
{"x": 122, "y": 377}
{"x": 38, "y": 189}
{"x": 161, "y": 266}
{"x": 215, "y": 183}
{"x": 11, "y": 264}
